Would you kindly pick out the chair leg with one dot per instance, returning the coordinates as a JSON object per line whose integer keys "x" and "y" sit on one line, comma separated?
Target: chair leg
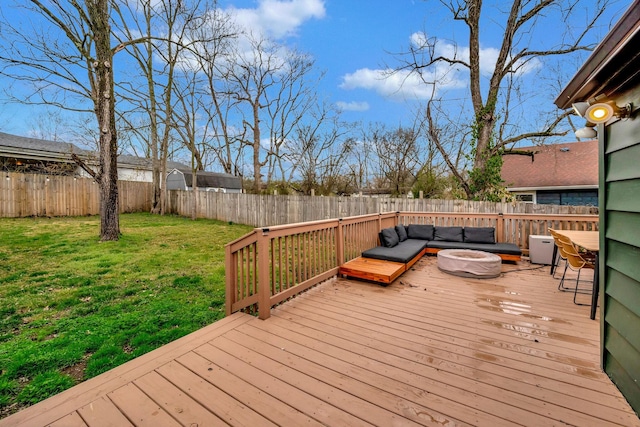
{"x": 557, "y": 264}
{"x": 561, "y": 284}
{"x": 576, "y": 291}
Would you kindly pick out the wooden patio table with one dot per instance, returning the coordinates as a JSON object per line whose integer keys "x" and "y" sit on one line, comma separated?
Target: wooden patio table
{"x": 590, "y": 242}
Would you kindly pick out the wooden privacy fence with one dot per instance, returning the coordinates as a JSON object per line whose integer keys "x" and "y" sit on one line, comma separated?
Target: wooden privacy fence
{"x": 270, "y": 265}
{"x": 23, "y": 195}
{"x": 269, "y": 210}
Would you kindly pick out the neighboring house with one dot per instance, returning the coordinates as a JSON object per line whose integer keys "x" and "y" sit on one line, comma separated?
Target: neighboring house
{"x": 611, "y": 76}
{"x": 557, "y": 174}
{"x": 31, "y": 155}
{"x": 182, "y": 179}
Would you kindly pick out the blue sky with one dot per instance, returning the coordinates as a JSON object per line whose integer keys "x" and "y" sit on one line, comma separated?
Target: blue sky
{"x": 352, "y": 40}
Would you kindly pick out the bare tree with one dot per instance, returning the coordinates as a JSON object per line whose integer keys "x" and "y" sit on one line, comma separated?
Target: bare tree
{"x": 166, "y": 26}
{"x": 66, "y": 60}
{"x": 492, "y": 129}
{"x": 318, "y": 150}
{"x": 398, "y": 156}
{"x": 267, "y": 85}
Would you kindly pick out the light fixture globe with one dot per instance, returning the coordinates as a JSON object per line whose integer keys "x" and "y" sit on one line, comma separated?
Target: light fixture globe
{"x": 599, "y": 113}
{"x": 586, "y": 133}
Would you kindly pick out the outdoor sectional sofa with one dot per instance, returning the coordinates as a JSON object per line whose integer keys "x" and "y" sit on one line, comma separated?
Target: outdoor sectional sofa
{"x": 402, "y": 246}
{"x": 404, "y": 243}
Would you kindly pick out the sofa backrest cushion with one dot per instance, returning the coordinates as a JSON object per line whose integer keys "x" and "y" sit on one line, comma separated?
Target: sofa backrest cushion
{"x": 420, "y": 231}
{"x": 448, "y": 234}
{"x": 479, "y": 235}
{"x": 389, "y": 237}
{"x": 402, "y": 232}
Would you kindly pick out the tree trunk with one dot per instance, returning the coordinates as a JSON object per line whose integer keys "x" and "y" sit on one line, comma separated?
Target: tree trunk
{"x": 256, "y": 148}
{"x": 105, "y": 113}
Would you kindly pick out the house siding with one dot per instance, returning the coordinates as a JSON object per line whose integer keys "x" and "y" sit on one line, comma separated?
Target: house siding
{"x": 620, "y": 255}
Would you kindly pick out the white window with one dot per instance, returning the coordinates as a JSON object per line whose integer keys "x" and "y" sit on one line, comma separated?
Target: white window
{"x": 526, "y": 197}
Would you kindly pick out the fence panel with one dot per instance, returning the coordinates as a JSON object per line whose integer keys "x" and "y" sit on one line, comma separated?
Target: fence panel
{"x": 24, "y": 195}
{"x": 264, "y": 210}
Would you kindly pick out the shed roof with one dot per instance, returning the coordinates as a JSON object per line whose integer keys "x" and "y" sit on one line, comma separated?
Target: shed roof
{"x": 565, "y": 165}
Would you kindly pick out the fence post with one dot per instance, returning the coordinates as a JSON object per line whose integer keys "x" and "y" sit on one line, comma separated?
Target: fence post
{"x": 340, "y": 243}
{"x": 264, "y": 288}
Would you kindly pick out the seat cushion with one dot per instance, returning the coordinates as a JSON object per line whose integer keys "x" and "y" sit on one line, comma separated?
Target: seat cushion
{"x": 403, "y": 252}
{"x": 389, "y": 237}
{"x": 420, "y": 231}
{"x": 448, "y": 234}
{"x": 479, "y": 235}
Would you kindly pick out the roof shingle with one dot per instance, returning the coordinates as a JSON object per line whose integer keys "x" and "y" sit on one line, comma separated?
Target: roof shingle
{"x": 556, "y": 165}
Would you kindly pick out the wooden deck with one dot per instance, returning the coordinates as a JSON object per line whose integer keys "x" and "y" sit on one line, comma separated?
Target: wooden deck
{"x": 429, "y": 349}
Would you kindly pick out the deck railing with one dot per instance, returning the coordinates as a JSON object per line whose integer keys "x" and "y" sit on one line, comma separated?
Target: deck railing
{"x": 270, "y": 265}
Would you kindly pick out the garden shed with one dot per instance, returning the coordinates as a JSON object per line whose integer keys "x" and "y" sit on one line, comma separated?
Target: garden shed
{"x": 610, "y": 81}
{"x": 181, "y": 179}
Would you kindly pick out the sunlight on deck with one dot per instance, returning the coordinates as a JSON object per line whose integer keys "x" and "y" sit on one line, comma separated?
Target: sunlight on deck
{"x": 429, "y": 349}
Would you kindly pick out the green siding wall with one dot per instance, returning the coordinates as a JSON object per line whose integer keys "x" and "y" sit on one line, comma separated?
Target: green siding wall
{"x": 620, "y": 255}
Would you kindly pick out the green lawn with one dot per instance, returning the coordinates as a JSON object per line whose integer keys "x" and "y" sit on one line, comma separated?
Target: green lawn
{"x": 72, "y": 307}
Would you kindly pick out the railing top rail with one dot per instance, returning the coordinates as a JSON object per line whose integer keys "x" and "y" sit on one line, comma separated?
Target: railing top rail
{"x": 576, "y": 217}
{"x": 300, "y": 227}
{"x": 243, "y": 241}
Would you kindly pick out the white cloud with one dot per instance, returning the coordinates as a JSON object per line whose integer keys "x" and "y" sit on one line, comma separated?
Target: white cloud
{"x": 277, "y": 18}
{"x": 488, "y": 55}
{"x": 400, "y": 85}
{"x": 411, "y": 85}
{"x": 352, "y": 106}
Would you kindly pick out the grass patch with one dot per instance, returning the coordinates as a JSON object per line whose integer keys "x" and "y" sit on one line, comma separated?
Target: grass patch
{"x": 71, "y": 303}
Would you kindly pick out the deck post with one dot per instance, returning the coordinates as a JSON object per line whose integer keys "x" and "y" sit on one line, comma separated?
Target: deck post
{"x": 264, "y": 288}
{"x": 500, "y": 237}
{"x": 231, "y": 279}
{"x": 340, "y": 243}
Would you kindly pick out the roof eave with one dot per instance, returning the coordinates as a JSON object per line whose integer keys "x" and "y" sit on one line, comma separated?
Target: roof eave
{"x": 554, "y": 188}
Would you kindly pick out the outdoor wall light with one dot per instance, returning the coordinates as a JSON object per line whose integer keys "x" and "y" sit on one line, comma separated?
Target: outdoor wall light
{"x": 580, "y": 108}
{"x": 602, "y": 112}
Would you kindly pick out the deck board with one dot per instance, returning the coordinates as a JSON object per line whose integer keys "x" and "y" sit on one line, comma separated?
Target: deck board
{"x": 428, "y": 349}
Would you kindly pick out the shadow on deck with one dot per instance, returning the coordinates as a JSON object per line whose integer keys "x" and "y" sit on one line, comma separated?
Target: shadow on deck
{"x": 429, "y": 349}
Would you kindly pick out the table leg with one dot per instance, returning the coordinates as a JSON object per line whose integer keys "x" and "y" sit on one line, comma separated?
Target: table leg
{"x": 596, "y": 287}
{"x": 553, "y": 259}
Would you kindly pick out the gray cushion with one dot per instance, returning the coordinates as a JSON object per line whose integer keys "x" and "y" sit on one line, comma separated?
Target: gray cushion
{"x": 479, "y": 235}
{"x": 494, "y": 248}
{"x": 404, "y": 252}
{"x": 402, "y": 232}
{"x": 420, "y": 231}
{"x": 448, "y": 234}
{"x": 389, "y": 237}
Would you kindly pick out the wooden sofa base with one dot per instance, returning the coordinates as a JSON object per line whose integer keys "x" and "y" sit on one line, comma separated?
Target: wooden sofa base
{"x": 372, "y": 269}
{"x": 505, "y": 257}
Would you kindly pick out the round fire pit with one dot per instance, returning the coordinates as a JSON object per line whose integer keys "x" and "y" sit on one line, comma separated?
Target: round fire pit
{"x": 469, "y": 263}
